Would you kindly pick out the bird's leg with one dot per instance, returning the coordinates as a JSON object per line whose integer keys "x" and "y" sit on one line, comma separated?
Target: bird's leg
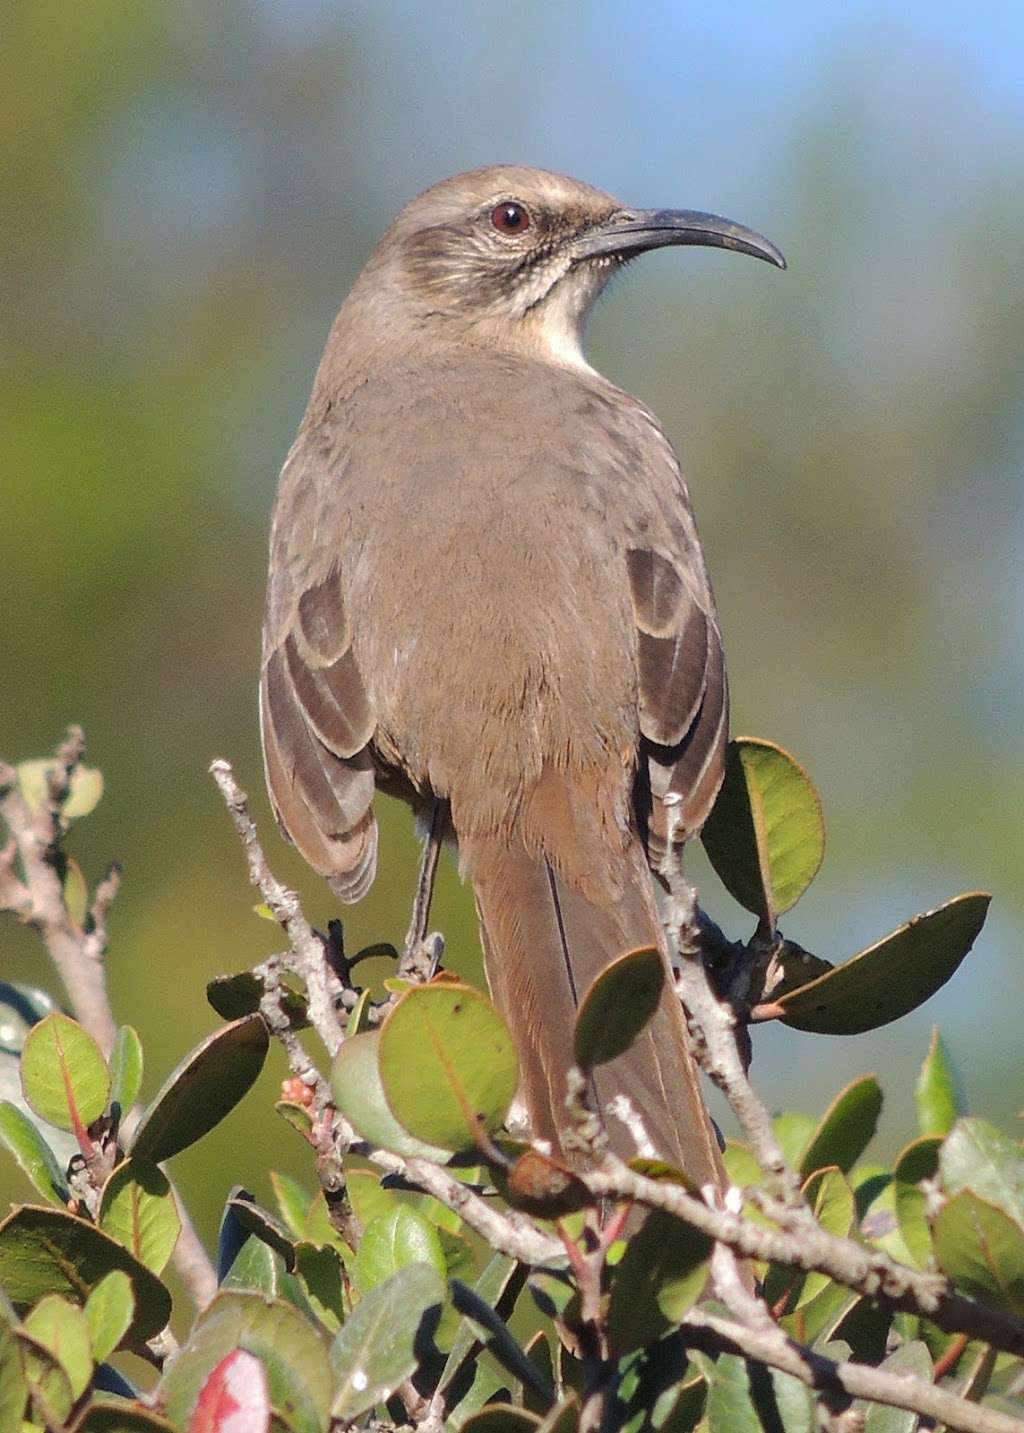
{"x": 416, "y": 938}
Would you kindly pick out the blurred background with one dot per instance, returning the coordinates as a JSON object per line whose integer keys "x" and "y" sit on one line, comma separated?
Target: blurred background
{"x": 187, "y": 192}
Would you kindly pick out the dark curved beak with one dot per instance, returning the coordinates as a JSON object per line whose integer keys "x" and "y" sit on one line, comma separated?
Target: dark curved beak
{"x": 632, "y": 231}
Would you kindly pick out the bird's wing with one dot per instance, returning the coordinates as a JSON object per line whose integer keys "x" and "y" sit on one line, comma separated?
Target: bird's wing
{"x": 683, "y": 691}
{"x": 315, "y": 713}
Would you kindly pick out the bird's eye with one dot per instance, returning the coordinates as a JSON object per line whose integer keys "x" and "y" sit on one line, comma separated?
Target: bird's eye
{"x": 511, "y": 217}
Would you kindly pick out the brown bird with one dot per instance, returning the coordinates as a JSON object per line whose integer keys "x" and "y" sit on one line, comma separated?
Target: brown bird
{"x": 487, "y": 590}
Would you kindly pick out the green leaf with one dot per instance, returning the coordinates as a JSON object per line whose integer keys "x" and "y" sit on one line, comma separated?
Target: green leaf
{"x": 490, "y": 1287}
{"x": 322, "y": 1276}
{"x": 794, "y": 1131}
{"x": 448, "y": 1064}
{"x": 377, "y": 1347}
{"x": 660, "y": 1276}
{"x": 977, "y": 1156}
{"x": 729, "y": 1405}
{"x": 494, "y": 1332}
{"x": 13, "y": 1388}
{"x": 830, "y": 1196}
{"x": 292, "y": 1201}
{"x": 75, "y": 891}
{"x": 359, "y": 1016}
{"x": 48, "y": 1382}
{"x": 748, "y": 1398}
{"x": 35, "y": 1157}
{"x": 255, "y": 1267}
{"x": 911, "y": 1360}
{"x": 204, "y": 1088}
{"x": 125, "y": 1069}
{"x": 137, "y": 1209}
{"x": 765, "y": 836}
{"x": 290, "y": 1349}
{"x": 982, "y": 1250}
{"x": 937, "y": 1094}
{"x": 63, "y": 1328}
{"x": 233, "y": 996}
{"x": 618, "y": 1005}
{"x": 116, "y": 1416}
{"x": 920, "y": 1160}
{"x": 359, "y": 1095}
{"x": 392, "y": 1240}
{"x": 893, "y": 976}
{"x": 109, "y": 1311}
{"x": 846, "y": 1128}
{"x": 44, "y": 1251}
{"x": 85, "y": 788}
{"x": 256, "y": 1220}
{"x": 63, "y": 1073}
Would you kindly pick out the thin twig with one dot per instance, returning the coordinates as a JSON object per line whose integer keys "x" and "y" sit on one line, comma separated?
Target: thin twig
{"x": 307, "y": 949}
{"x": 36, "y": 835}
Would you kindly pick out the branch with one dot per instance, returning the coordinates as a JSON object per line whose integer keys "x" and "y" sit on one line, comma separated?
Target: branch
{"x": 771, "y": 1346}
{"x": 307, "y": 957}
{"x": 38, "y": 898}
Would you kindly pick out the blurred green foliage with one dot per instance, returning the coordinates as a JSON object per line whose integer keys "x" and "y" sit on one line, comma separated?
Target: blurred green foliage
{"x": 187, "y": 194}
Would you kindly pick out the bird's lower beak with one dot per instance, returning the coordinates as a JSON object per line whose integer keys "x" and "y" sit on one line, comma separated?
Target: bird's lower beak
{"x": 631, "y": 231}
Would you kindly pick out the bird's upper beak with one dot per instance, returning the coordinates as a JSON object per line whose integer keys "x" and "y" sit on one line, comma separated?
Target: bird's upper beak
{"x": 631, "y": 231}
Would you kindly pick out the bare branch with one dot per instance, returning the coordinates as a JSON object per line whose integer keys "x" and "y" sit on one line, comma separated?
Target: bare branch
{"x": 36, "y": 835}
{"x": 307, "y": 957}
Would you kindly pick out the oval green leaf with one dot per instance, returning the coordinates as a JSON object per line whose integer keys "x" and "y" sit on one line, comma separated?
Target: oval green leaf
{"x": 359, "y": 1095}
{"x": 377, "y": 1348}
{"x": 290, "y": 1349}
{"x": 617, "y": 1006}
{"x": 48, "y": 1251}
{"x": 912, "y": 1360}
{"x": 982, "y": 1250}
{"x": 63, "y": 1073}
{"x": 233, "y": 996}
{"x": 448, "y": 1064}
{"x": 765, "y": 836}
{"x": 978, "y": 1156}
{"x": 48, "y": 1383}
{"x": 918, "y": 1161}
{"x": 109, "y": 1311}
{"x": 204, "y": 1088}
{"x": 661, "y": 1275}
{"x": 846, "y": 1128}
{"x": 137, "y": 1209}
{"x": 829, "y": 1194}
{"x": 125, "y": 1069}
{"x": 938, "y": 1093}
{"x": 85, "y": 787}
{"x": 390, "y": 1241}
{"x": 62, "y": 1328}
{"x": 893, "y": 976}
{"x": 34, "y": 1156}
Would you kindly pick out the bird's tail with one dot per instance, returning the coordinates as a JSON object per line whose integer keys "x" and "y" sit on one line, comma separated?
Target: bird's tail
{"x": 544, "y": 943}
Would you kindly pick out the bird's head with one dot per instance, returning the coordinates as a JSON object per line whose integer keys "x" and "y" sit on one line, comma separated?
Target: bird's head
{"x": 515, "y": 257}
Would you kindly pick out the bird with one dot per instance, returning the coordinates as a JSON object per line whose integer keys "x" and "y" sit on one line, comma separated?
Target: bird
{"x": 487, "y": 596}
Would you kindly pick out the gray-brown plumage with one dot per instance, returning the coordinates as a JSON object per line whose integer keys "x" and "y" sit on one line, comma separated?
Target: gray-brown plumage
{"x": 486, "y": 586}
